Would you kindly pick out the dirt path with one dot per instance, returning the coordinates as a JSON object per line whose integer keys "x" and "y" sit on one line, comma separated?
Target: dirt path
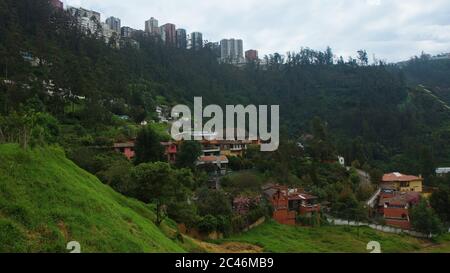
{"x": 228, "y": 247}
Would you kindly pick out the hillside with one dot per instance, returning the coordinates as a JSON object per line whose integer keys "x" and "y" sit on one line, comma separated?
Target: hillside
{"x": 47, "y": 201}
{"x": 273, "y": 237}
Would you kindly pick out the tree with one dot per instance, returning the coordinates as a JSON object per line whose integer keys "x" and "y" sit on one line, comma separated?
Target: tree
{"x": 363, "y": 58}
{"x": 424, "y": 219}
{"x": 161, "y": 184}
{"x": 440, "y": 202}
{"x": 188, "y": 154}
{"x": 348, "y": 207}
{"x": 148, "y": 147}
{"x": 213, "y": 202}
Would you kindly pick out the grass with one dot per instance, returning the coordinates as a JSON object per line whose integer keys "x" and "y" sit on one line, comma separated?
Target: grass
{"x": 47, "y": 201}
{"x": 274, "y": 237}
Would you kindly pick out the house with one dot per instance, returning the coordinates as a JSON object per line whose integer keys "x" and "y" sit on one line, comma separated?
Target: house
{"x": 394, "y": 206}
{"x": 402, "y": 182}
{"x": 170, "y": 151}
{"x": 125, "y": 148}
{"x": 278, "y": 197}
{"x": 443, "y": 171}
{"x": 213, "y": 164}
{"x": 289, "y": 203}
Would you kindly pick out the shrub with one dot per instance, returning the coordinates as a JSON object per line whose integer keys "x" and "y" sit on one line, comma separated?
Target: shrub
{"x": 208, "y": 224}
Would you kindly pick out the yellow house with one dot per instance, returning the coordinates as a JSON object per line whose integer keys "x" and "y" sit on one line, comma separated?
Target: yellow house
{"x": 402, "y": 182}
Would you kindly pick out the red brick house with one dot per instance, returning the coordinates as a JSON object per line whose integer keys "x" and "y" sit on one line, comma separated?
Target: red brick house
{"x": 288, "y": 203}
{"x": 394, "y": 206}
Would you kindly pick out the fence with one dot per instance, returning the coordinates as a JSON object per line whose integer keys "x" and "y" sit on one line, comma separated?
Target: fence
{"x": 387, "y": 229}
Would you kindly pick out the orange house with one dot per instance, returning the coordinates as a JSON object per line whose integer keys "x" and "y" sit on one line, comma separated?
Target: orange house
{"x": 288, "y": 203}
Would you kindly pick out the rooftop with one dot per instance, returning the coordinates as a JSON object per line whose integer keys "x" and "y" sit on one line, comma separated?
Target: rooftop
{"x": 399, "y": 177}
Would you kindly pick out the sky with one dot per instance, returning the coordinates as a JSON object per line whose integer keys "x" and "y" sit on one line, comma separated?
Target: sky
{"x": 390, "y": 30}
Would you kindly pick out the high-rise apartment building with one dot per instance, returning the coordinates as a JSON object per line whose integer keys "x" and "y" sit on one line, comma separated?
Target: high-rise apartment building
{"x": 170, "y": 34}
{"x": 251, "y": 55}
{"x": 181, "y": 38}
{"x": 114, "y": 24}
{"x": 151, "y": 26}
{"x": 196, "y": 40}
{"x": 232, "y": 50}
{"x": 88, "y": 20}
{"x": 127, "y": 32}
{"x": 84, "y": 13}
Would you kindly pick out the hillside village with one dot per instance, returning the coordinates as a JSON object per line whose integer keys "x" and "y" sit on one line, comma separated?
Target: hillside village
{"x": 390, "y": 204}
{"x": 92, "y": 102}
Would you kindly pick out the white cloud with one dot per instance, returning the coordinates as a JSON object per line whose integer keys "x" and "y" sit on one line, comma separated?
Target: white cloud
{"x": 393, "y": 30}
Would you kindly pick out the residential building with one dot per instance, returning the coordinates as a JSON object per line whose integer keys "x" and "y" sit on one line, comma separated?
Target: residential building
{"x": 394, "y": 206}
{"x": 114, "y": 24}
{"x": 81, "y": 12}
{"x": 181, "y": 39}
{"x": 88, "y": 20}
{"x": 127, "y": 32}
{"x": 57, "y": 4}
{"x": 170, "y": 34}
{"x": 231, "y": 51}
{"x": 162, "y": 34}
{"x": 289, "y": 203}
{"x": 251, "y": 55}
{"x": 125, "y": 148}
{"x": 214, "y": 165}
{"x": 402, "y": 182}
{"x": 443, "y": 171}
{"x": 196, "y": 40}
{"x": 108, "y": 34}
{"x": 151, "y": 26}
{"x": 170, "y": 151}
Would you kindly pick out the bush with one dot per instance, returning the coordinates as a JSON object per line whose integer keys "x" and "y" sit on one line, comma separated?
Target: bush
{"x": 424, "y": 219}
{"x": 208, "y": 224}
{"x": 224, "y": 225}
{"x": 238, "y": 223}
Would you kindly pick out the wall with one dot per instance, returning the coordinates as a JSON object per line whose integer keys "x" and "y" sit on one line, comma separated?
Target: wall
{"x": 387, "y": 229}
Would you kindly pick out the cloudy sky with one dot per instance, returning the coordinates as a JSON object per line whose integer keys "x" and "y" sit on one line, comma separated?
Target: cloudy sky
{"x": 391, "y": 30}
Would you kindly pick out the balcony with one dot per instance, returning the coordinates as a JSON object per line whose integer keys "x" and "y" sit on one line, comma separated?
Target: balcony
{"x": 309, "y": 208}
{"x": 211, "y": 149}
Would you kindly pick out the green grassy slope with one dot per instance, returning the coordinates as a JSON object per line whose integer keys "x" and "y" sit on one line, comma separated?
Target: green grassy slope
{"x": 274, "y": 237}
{"x": 47, "y": 201}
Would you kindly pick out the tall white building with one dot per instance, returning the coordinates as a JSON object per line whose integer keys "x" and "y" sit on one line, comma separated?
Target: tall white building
{"x": 113, "y": 23}
{"x": 232, "y": 50}
{"x": 151, "y": 26}
{"x": 88, "y": 20}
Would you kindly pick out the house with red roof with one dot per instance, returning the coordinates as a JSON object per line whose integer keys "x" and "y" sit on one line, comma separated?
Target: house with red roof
{"x": 402, "y": 182}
